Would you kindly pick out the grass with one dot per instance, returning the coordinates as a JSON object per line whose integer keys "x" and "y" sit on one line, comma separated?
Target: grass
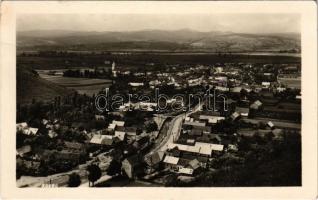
{"x": 30, "y": 86}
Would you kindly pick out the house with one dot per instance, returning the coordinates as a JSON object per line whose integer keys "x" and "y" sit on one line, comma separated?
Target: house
{"x": 204, "y": 129}
{"x": 26, "y": 129}
{"x": 22, "y": 126}
{"x": 278, "y": 134}
{"x": 185, "y": 170}
{"x": 280, "y": 89}
{"x": 211, "y": 119}
{"x": 218, "y": 70}
{"x": 101, "y": 139}
{"x": 194, "y": 164}
{"x": 189, "y": 123}
{"x": 207, "y": 147}
{"x": 99, "y": 117}
{"x": 131, "y": 132}
{"x": 195, "y": 132}
{"x": 147, "y": 106}
{"x": 222, "y": 89}
{"x": 188, "y": 119}
{"x": 131, "y": 166}
{"x": 242, "y": 111}
{"x": 154, "y": 83}
{"x": 30, "y": 131}
{"x": 256, "y": 105}
{"x": 204, "y": 138}
{"x": 120, "y": 135}
{"x": 136, "y": 84}
{"x": 120, "y": 128}
{"x": 171, "y": 162}
{"x": 190, "y": 141}
{"x": 118, "y": 123}
{"x": 232, "y": 147}
{"x": 50, "y": 126}
{"x": 194, "y": 82}
{"x": 175, "y": 152}
{"x": 45, "y": 122}
{"x": 200, "y": 148}
{"x": 52, "y": 134}
{"x": 235, "y": 116}
{"x": 192, "y": 168}
{"x": 266, "y": 85}
{"x": 221, "y": 80}
{"x": 270, "y": 124}
{"x": 215, "y": 138}
{"x": 153, "y": 161}
{"x": 111, "y": 126}
{"x": 55, "y": 121}
{"x": 236, "y": 90}
{"x": 24, "y": 150}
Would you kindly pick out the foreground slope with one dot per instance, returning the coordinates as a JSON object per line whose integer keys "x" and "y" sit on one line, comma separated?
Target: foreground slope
{"x": 30, "y": 86}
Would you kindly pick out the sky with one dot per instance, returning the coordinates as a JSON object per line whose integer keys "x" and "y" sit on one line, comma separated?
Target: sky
{"x": 238, "y": 23}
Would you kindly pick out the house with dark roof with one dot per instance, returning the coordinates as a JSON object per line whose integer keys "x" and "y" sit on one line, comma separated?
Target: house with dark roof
{"x": 194, "y": 164}
{"x": 142, "y": 143}
{"x": 153, "y": 161}
{"x": 22, "y": 151}
{"x": 131, "y": 131}
{"x": 235, "y": 116}
{"x": 196, "y": 132}
{"x": 242, "y": 111}
{"x": 175, "y": 152}
{"x": 256, "y": 105}
{"x": 131, "y": 166}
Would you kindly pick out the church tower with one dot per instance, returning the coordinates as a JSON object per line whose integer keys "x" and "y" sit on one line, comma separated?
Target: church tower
{"x": 113, "y": 69}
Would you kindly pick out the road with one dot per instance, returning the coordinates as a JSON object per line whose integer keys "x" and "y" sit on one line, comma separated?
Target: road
{"x": 174, "y": 130}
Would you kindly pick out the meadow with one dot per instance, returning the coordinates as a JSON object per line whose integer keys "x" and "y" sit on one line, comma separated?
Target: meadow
{"x": 81, "y": 85}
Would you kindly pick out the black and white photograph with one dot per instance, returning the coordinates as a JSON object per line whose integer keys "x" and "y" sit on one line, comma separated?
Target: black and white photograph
{"x": 171, "y": 100}
{"x": 158, "y": 100}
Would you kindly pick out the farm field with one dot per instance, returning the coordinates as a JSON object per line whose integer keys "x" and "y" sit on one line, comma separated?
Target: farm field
{"x": 81, "y": 85}
{"x": 293, "y": 83}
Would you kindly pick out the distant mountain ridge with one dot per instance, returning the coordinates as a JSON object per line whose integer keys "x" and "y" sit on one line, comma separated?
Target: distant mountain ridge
{"x": 178, "y": 40}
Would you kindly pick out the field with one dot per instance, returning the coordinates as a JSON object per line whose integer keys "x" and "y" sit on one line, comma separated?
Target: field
{"x": 81, "y": 85}
{"x": 291, "y": 82}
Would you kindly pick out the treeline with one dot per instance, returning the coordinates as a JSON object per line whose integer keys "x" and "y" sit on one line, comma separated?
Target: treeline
{"x": 103, "y": 73}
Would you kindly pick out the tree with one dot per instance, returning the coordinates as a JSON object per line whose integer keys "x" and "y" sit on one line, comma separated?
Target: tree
{"x": 94, "y": 173}
{"x": 114, "y": 167}
{"x": 152, "y": 126}
{"x": 74, "y": 180}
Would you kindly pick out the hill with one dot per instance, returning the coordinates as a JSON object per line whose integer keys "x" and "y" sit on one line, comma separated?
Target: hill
{"x": 179, "y": 40}
{"x": 31, "y": 86}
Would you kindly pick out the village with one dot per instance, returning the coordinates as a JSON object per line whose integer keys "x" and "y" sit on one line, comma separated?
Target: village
{"x": 143, "y": 141}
